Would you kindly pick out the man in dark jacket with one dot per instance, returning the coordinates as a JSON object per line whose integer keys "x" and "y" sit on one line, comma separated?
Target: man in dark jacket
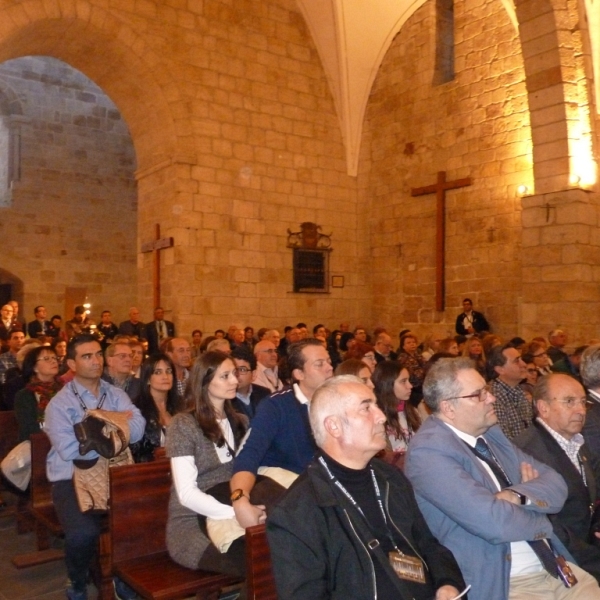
{"x": 556, "y": 440}
{"x": 470, "y": 321}
{"x": 349, "y": 527}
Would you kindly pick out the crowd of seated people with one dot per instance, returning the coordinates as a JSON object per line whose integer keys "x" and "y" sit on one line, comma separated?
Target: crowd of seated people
{"x": 233, "y": 412}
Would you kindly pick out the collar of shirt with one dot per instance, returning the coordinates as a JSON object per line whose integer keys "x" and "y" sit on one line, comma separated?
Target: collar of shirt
{"x": 463, "y": 436}
{"x": 300, "y": 395}
{"x": 272, "y": 372}
{"x": 515, "y": 393}
{"x": 85, "y": 393}
{"x": 571, "y": 447}
{"x": 245, "y": 398}
{"x": 594, "y": 395}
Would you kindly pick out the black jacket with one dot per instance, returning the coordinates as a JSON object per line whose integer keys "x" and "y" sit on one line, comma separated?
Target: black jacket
{"x": 479, "y": 323}
{"x": 256, "y": 395}
{"x": 572, "y": 523}
{"x": 151, "y": 334}
{"x": 317, "y": 550}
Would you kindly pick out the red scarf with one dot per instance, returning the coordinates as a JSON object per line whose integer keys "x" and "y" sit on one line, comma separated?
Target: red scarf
{"x": 44, "y": 391}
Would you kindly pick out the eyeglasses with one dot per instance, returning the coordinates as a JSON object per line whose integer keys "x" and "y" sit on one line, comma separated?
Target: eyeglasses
{"x": 269, "y": 351}
{"x": 47, "y": 359}
{"x": 242, "y": 370}
{"x": 481, "y": 394}
{"x": 573, "y": 402}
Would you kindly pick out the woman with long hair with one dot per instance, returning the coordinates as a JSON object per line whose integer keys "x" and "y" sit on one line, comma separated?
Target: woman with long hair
{"x": 358, "y": 368}
{"x": 201, "y": 443}
{"x": 393, "y": 391}
{"x": 474, "y": 350}
{"x": 40, "y": 373}
{"x": 410, "y": 358}
{"x": 158, "y": 402}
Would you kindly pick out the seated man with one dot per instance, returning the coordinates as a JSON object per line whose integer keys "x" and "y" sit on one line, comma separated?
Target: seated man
{"x": 486, "y": 500}
{"x": 40, "y": 327}
{"x": 119, "y": 362}
{"x": 349, "y": 527}
{"x": 86, "y": 391}
{"x": 267, "y": 373}
{"x": 280, "y": 435}
{"x": 248, "y": 394}
{"x": 556, "y": 440}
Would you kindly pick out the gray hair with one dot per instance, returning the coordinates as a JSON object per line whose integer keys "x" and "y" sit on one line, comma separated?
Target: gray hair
{"x": 440, "y": 382}
{"x": 589, "y": 368}
{"x": 329, "y": 400}
{"x": 218, "y": 344}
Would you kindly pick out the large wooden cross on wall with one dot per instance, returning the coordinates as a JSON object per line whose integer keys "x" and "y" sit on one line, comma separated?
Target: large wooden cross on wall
{"x": 439, "y": 189}
{"x": 155, "y": 246}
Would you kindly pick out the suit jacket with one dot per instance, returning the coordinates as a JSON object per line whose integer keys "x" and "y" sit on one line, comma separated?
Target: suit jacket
{"x": 151, "y": 334}
{"x": 35, "y": 327}
{"x": 479, "y": 323}
{"x": 256, "y": 395}
{"x": 128, "y": 328}
{"x": 457, "y": 498}
{"x": 591, "y": 429}
{"x": 572, "y": 523}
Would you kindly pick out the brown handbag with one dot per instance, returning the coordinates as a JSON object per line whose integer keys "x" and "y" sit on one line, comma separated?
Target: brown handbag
{"x": 90, "y": 477}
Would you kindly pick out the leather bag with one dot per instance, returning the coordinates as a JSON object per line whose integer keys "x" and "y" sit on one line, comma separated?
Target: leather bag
{"x": 111, "y": 441}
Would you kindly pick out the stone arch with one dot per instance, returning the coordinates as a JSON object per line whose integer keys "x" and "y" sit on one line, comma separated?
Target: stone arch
{"x": 558, "y": 94}
{"x": 16, "y": 284}
{"x": 117, "y": 59}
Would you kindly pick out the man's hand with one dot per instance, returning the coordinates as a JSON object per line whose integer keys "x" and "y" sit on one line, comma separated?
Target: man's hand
{"x": 528, "y": 472}
{"x": 508, "y": 496}
{"x": 446, "y": 592}
{"x": 248, "y": 514}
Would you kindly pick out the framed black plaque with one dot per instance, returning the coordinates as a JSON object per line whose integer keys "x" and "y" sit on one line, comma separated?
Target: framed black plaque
{"x": 311, "y": 270}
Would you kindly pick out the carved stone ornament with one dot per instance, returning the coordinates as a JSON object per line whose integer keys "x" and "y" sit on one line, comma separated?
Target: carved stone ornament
{"x": 309, "y": 236}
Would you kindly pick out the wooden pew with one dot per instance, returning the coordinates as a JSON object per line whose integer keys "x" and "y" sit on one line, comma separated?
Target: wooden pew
{"x": 41, "y": 508}
{"x": 139, "y": 499}
{"x": 260, "y": 581}
{"x": 9, "y": 438}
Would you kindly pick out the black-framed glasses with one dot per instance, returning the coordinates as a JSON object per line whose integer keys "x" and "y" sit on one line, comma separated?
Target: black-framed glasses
{"x": 48, "y": 359}
{"x": 481, "y": 394}
{"x": 242, "y": 370}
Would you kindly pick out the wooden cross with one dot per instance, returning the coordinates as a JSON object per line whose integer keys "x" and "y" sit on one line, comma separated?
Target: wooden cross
{"x": 155, "y": 246}
{"x": 439, "y": 189}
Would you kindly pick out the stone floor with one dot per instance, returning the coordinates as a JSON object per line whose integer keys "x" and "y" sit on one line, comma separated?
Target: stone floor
{"x": 45, "y": 582}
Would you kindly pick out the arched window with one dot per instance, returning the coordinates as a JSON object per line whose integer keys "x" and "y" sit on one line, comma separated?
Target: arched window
{"x": 10, "y": 142}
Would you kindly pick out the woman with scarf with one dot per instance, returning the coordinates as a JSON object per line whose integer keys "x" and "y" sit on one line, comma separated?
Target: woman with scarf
{"x": 40, "y": 371}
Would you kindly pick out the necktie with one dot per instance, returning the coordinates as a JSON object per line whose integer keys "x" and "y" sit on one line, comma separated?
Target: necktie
{"x": 542, "y": 548}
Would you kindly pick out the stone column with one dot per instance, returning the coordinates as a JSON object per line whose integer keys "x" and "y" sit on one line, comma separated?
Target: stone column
{"x": 561, "y": 264}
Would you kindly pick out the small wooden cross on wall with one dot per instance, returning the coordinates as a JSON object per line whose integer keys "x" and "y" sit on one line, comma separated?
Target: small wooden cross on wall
{"x": 155, "y": 246}
{"x": 439, "y": 189}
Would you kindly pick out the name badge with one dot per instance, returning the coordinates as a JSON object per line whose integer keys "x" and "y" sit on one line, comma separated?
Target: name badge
{"x": 407, "y": 567}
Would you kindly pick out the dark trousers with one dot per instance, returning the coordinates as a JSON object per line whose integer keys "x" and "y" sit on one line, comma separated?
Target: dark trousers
{"x": 82, "y": 532}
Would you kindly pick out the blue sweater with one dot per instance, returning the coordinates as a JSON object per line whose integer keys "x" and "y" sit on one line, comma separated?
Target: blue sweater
{"x": 279, "y": 436}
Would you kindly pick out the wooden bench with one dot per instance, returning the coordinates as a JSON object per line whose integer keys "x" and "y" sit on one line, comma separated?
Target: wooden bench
{"x": 9, "y": 438}
{"x": 139, "y": 499}
{"x": 41, "y": 508}
{"x": 260, "y": 581}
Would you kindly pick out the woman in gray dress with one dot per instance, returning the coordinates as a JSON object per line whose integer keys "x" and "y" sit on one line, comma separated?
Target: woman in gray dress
{"x": 201, "y": 443}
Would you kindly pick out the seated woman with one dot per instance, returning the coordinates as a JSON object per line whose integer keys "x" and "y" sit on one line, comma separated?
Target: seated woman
{"x": 358, "y": 368}
{"x": 158, "y": 402}
{"x": 201, "y": 443}
{"x": 392, "y": 390}
{"x": 40, "y": 372}
{"x": 410, "y": 358}
{"x": 474, "y": 350}
{"x": 60, "y": 348}
{"x": 363, "y": 351}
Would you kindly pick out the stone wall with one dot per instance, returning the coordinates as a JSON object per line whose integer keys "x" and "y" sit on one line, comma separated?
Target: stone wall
{"x": 474, "y": 126}
{"x": 72, "y": 218}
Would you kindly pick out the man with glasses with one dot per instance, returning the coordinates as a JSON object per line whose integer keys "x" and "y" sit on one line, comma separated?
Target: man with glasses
{"x": 266, "y": 369}
{"x": 248, "y": 394}
{"x": 486, "y": 500}
{"x": 512, "y": 408}
{"x": 383, "y": 348}
{"x": 279, "y": 436}
{"x": 119, "y": 361}
{"x": 555, "y": 439}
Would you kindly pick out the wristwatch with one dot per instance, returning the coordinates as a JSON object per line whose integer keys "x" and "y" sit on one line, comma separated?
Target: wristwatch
{"x": 522, "y": 497}
{"x": 239, "y": 493}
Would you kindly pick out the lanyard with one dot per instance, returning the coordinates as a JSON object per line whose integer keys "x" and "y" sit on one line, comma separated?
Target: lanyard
{"x": 74, "y": 390}
{"x": 355, "y": 504}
